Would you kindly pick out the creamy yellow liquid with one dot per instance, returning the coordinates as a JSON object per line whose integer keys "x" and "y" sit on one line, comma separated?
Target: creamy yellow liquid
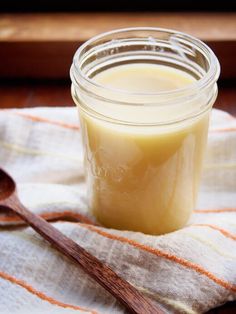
{"x": 143, "y": 178}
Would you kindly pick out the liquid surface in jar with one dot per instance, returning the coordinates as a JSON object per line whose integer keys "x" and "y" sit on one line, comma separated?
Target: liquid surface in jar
{"x": 145, "y": 180}
{"x": 143, "y": 78}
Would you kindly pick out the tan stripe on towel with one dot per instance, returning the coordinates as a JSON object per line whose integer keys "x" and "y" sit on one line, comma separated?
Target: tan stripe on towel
{"x": 220, "y": 130}
{"x": 84, "y": 219}
{"x": 209, "y": 211}
{"x": 51, "y": 216}
{"x": 221, "y": 230}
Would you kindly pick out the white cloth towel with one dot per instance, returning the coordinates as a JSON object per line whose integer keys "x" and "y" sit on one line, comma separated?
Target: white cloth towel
{"x": 187, "y": 271}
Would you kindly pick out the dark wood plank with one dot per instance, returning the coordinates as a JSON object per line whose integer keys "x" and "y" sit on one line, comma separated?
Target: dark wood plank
{"x": 52, "y": 60}
{"x": 226, "y": 99}
{"x": 19, "y": 94}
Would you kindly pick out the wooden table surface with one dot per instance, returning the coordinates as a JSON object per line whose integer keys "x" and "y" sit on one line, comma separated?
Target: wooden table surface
{"x": 36, "y": 52}
{"x": 24, "y": 93}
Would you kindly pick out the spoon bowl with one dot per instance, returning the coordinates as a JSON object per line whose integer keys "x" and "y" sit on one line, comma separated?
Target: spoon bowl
{"x": 7, "y": 185}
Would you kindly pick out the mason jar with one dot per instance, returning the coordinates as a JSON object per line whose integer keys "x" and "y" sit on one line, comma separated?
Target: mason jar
{"x": 144, "y": 149}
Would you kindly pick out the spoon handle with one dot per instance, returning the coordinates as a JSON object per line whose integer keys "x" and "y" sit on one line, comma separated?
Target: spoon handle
{"x": 124, "y": 292}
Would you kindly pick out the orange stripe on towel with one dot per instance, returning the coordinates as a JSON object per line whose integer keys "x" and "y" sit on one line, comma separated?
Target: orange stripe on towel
{"x": 76, "y": 127}
{"x": 50, "y": 216}
{"x": 209, "y": 211}
{"x": 181, "y": 261}
{"x": 41, "y": 295}
{"x": 220, "y": 130}
{"x": 45, "y": 120}
{"x": 221, "y": 230}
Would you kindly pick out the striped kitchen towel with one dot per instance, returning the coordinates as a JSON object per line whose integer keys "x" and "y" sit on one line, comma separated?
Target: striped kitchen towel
{"x": 188, "y": 271}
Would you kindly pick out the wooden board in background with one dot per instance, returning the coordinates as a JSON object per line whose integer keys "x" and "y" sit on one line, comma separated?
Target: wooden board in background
{"x": 42, "y": 45}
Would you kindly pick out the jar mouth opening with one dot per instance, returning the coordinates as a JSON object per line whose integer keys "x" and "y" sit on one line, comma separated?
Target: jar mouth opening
{"x": 207, "y": 78}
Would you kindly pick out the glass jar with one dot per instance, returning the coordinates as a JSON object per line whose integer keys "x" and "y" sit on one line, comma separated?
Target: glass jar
{"x": 143, "y": 151}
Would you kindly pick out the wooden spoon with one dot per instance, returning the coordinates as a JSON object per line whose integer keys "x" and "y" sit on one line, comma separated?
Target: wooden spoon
{"x": 124, "y": 292}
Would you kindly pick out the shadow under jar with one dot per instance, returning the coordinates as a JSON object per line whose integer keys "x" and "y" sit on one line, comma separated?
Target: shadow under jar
{"x": 144, "y": 96}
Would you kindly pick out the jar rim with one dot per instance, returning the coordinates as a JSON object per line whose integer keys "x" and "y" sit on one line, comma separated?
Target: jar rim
{"x": 208, "y": 78}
